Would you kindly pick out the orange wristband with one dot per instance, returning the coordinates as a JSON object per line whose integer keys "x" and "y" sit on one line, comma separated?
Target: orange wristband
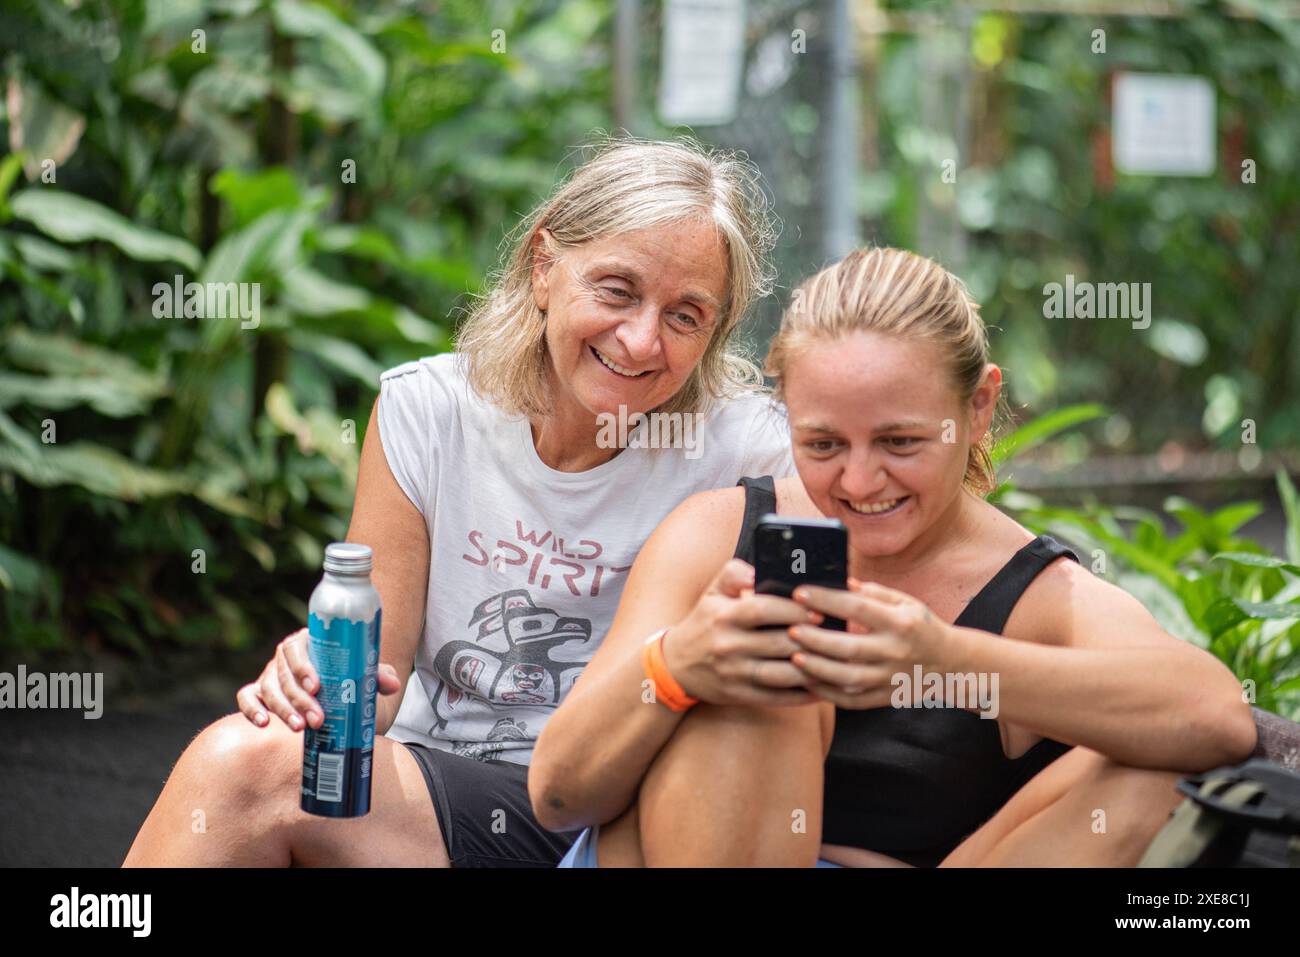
{"x": 667, "y": 690}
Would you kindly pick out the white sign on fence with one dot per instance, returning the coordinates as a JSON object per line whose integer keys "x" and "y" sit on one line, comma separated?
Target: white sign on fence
{"x": 703, "y": 56}
{"x": 1163, "y": 124}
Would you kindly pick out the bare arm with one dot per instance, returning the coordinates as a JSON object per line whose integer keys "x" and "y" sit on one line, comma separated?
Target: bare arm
{"x": 384, "y": 518}
{"x": 1113, "y": 680}
{"x": 594, "y": 751}
{"x": 1081, "y": 662}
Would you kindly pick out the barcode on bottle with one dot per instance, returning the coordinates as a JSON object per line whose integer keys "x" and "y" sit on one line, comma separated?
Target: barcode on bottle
{"x": 329, "y": 777}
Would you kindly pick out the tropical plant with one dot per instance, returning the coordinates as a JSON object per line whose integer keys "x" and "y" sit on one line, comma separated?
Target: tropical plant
{"x": 1193, "y": 570}
{"x": 167, "y": 483}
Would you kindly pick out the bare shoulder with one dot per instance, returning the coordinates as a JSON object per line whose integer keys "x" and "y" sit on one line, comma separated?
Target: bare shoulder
{"x": 792, "y": 499}
{"x": 701, "y": 532}
{"x": 1067, "y": 603}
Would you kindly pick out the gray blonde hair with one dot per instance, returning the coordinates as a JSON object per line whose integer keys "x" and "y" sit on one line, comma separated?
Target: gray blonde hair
{"x": 897, "y": 293}
{"x": 628, "y": 184}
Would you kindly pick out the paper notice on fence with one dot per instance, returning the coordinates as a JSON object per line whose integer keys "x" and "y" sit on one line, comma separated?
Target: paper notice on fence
{"x": 702, "y": 59}
{"x": 1163, "y": 124}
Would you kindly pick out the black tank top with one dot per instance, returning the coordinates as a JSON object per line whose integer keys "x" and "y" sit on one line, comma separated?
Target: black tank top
{"x": 913, "y": 783}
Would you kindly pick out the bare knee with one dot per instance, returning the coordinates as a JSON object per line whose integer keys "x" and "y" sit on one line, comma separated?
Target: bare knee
{"x": 736, "y": 785}
{"x": 1138, "y": 785}
{"x": 1141, "y": 798}
{"x": 762, "y": 720}
{"x": 202, "y": 816}
{"x": 250, "y": 763}
{"x": 746, "y": 739}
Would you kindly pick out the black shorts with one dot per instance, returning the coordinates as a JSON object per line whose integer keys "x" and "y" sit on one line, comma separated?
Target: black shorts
{"x": 484, "y": 812}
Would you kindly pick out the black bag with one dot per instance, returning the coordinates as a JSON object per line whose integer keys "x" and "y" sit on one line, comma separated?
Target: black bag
{"x": 1242, "y": 816}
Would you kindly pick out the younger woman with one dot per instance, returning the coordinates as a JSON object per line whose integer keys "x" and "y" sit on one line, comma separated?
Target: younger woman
{"x": 746, "y": 734}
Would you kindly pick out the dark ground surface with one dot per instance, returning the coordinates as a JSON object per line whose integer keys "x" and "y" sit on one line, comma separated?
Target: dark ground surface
{"x": 73, "y": 791}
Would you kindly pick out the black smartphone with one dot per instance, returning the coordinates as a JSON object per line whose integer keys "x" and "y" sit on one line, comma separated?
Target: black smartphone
{"x": 789, "y": 552}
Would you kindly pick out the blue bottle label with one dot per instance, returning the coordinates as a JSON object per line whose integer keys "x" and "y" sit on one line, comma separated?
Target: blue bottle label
{"x": 337, "y": 755}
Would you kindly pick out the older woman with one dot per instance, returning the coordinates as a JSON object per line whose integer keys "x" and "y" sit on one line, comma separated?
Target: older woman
{"x": 506, "y": 491}
{"x": 770, "y": 740}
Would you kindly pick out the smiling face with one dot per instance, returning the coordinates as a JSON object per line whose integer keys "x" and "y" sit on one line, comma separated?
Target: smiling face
{"x": 629, "y": 317}
{"x": 881, "y": 435}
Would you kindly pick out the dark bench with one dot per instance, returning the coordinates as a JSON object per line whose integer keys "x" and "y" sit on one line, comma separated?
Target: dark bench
{"x": 1279, "y": 739}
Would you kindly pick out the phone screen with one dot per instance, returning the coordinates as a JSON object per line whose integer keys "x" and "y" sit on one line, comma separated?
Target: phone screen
{"x": 789, "y": 552}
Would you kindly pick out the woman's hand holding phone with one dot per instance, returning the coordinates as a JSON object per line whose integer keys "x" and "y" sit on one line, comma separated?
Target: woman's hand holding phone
{"x": 890, "y": 632}
{"x": 734, "y": 646}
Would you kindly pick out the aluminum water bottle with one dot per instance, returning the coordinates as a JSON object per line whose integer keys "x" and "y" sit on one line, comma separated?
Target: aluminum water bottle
{"x": 343, "y": 621}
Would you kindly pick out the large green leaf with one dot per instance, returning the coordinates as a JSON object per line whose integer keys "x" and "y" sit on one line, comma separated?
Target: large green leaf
{"x": 63, "y": 392}
{"x": 252, "y": 194}
{"x": 1165, "y": 606}
{"x": 40, "y": 253}
{"x": 269, "y": 246}
{"x": 1212, "y": 532}
{"x": 458, "y": 274}
{"x": 1041, "y": 429}
{"x": 340, "y": 354}
{"x": 77, "y": 373}
{"x": 103, "y": 471}
{"x": 1230, "y": 612}
{"x": 344, "y": 77}
{"x": 308, "y": 292}
{"x": 74, "y": 219}
{"x": 1257, "y": 561}
{"x": 94, "y": 468}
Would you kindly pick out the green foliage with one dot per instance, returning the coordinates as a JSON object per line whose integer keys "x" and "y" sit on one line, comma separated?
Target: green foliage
{"x": 1203, "y": 580}
{"x": 168, "y": 484}
{"x": 1037, "y": 431}
{"x": 72, "y": 219}
{"x": 1034, "y": 191}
